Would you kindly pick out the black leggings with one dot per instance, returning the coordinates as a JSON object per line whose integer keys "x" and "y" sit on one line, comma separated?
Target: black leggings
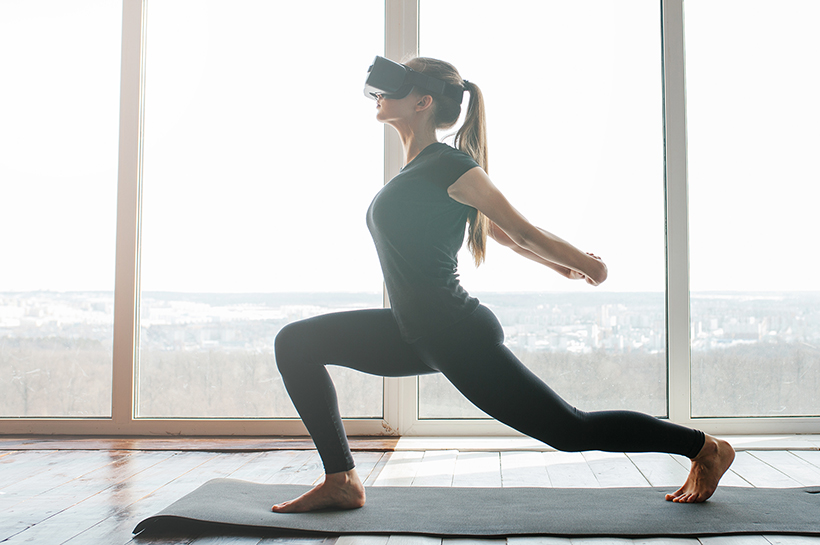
{"x": 472, "y": 356}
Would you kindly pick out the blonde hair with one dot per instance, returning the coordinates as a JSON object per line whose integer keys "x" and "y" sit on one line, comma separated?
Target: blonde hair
{"x": 471, "y": 138}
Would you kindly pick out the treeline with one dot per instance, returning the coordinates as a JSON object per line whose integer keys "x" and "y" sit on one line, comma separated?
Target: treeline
{"x": 592, "y": 381}
{"x": 237, "y": 384}
{"x": 66, "y": 377}
{"x": 54, "y": 376}
{"x": 761, "y": 379}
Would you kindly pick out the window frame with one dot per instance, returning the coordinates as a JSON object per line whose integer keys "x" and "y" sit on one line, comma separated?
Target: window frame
{"x": 400, "y": 394}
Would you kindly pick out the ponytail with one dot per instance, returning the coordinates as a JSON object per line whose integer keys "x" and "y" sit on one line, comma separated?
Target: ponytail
{"x": 471, "y": 138}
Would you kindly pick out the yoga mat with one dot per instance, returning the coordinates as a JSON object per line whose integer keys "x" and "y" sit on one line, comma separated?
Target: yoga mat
{"x": 492, "y": 512}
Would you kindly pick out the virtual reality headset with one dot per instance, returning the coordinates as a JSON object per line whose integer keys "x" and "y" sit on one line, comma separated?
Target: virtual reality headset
{"x": 393, "y": 80}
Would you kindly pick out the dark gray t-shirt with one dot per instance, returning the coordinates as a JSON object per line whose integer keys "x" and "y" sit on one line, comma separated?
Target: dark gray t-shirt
{"x": 418, "y": 230}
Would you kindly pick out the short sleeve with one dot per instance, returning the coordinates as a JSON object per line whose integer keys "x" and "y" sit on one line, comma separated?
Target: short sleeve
{"x": 456, "y": 163}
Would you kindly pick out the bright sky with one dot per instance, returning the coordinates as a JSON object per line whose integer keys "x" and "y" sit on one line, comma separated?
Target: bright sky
{"x": 262, "y": 154}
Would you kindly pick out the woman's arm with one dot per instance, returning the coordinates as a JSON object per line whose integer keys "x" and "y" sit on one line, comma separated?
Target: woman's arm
{"x": 502, "y": 238}
{"x": 474, "y": 188}
{"x": 497, "y": 234}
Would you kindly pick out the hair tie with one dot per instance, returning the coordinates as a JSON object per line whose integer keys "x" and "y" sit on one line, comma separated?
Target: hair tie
{"x": 465, "y": 83}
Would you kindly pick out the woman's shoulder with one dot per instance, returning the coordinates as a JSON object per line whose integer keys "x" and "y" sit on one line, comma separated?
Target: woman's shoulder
{"x": 448, "y": 152}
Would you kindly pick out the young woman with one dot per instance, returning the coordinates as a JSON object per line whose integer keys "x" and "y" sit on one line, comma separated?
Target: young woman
{"x": 418, "y": 222}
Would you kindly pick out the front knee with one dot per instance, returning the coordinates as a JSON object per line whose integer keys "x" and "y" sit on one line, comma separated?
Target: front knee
{"x": 288, "y": 344}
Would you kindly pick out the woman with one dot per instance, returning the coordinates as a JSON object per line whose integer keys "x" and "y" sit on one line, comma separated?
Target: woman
{"x": 418, "y": 221}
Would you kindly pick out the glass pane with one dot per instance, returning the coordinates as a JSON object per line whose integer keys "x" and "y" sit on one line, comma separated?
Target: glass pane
{"x": 59, "y": 112}
{"x": 752, "y": 88}
{"x": 573, "y": 98}
{"x": 253, "y": 210}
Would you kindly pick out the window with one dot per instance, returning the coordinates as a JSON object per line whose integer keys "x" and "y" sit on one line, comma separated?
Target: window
{"x": 241, "y": 232}
{"x": 573, "y": 98}
{"x": 60, "y": 103}
{"x": 236, "y": 206}
{"x": 752, "y": 117}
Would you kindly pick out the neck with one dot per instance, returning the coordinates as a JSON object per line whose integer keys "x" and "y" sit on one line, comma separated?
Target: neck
{"x": 413, "y": 141}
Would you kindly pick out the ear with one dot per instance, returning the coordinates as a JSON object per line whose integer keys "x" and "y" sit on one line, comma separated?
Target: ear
{"x": 424, "y": 103}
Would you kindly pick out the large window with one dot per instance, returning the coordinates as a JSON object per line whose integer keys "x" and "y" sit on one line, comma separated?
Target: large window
{"x": 753, "y": 115}
{"x": 59, "y": 103}
{"x": 573, "y": 98}
{"x": 143, "y": 284}
{"x": 253, "y": 209}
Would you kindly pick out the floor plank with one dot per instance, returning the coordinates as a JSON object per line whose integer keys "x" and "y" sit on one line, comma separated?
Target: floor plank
{"x": 376, "y": 471}
{"x": 793, "y": 540}
{"x": 436, "y": 468}
{"x": 400, "y": 469}
{"x": 302, "y": 540}
{"x": 17, "y": 466}
{"x": 666, "y": 541}
{"x": 760, "y": 474}
{"x": 659, "y": 469}
{"x": 538, "y": 540}
{"x": 791, "y": 465}
{"x": 811, "y": 456}
{"x": 734, "y": 540}
{"x": 176, "y": 444}
{"x": 477, "y": 469}
{"x": 304, "y": 468}
{"x": 362, "y": 540}
{"x": 569, "y": 470}
{"x": 261, "y": 467}
{"x": 227, "y": 538}
{"x": 614, "y": 469}
{"x": 472, "y": 541}
{"x": 600, "y": 541}
{"x": 413, "y": 540}
{"x": 524, "y": 469}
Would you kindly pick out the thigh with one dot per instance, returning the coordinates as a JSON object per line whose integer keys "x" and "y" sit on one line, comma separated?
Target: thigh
{"x": 366, "y": 340}
{"x": 474, "y": 359}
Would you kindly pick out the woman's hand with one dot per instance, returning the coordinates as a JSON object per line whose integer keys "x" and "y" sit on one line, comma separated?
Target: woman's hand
{"x": 601, "y": 276}
{"x": 576, "y": 275}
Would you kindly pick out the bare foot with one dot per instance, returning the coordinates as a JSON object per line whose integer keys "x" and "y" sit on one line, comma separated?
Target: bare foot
{"x": 708, "y": 467}
{"x": 342, "y": 490}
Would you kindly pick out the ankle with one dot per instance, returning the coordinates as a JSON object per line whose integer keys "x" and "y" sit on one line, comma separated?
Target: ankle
{"x": 709, "y": 448}
{"x": 342, "y": 478}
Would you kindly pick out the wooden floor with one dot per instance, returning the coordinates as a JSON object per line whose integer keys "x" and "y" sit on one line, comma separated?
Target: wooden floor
{"x": 98, "y": 496}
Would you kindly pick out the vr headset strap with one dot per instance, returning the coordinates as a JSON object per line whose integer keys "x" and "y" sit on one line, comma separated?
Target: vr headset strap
{"x": 435, "y": 85}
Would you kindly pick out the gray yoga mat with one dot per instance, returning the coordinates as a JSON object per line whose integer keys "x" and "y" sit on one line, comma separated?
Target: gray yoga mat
{"x": 489, "y": 512}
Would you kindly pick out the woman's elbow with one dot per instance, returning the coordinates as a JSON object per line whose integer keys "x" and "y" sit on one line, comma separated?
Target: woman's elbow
{"x": 498, "y": 235}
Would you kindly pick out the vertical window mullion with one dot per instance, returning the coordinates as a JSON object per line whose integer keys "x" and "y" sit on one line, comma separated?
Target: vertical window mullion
{"x": 401, "y": 38}
{"x": 127, "y": 214}
{"x": 677, "y": 235}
